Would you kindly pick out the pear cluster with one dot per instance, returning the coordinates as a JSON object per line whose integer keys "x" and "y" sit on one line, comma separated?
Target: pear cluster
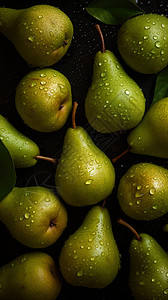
{"x": 35, "y": 216}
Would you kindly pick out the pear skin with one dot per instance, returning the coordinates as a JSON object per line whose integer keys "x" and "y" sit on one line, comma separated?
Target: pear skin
{"x": 84, "y": 174}
{"x": 43, "y": 99}
{"x": 32, "y": 276}
{"x": 148, "y": 277}
{"x": 41, "y": 34}
{"x": 142, "y": 43}
{"x": 114, "y": 101}
{"x": 22, "y": 150}
{"x": 143, "y": 191}
{"x": 34, "y": 216}
{"x": 90, "y": 257}
{"x": 150, "y": 136}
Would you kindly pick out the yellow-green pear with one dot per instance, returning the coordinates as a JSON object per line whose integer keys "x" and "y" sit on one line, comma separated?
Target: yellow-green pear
{"x": 143, "y": 191}
{"x": 34, "y": 216}
{"x": 114, "y": 101}
{"x": 22, "y": 150}
{"x": 142, "y": 42}
{"x": 90, "y": 257}
{"x": 84, "y": 174}
{"x": 43, "y": 99}
{"x": 150, "y": 136}
{"x": 30, "y": 276}
{"x": 148, "y": 277}
{"x": 41, "y": 34}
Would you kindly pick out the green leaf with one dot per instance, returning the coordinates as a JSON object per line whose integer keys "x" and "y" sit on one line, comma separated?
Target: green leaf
{"x": 161, "y": 86}
{"x": 113, "y": 12}
{"x": 7, "y": 172}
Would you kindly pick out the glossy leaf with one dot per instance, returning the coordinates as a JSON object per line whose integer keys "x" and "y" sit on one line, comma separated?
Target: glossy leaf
{"x": 113, "y": 12}
{"x": 161, "y": 86}
{"x": 7, "y": 172}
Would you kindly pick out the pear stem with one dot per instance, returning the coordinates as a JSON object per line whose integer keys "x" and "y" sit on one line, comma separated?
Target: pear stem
{"x": 114, "y": 160}
{"x": 104, "y": 203}
{"x": 102, "y": 38}
{"x": 50, "y": 159}
{"x": 122, "y": 222}
{"x": 74, "y": 114}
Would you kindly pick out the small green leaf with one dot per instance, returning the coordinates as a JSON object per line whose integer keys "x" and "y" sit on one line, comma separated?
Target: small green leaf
{"x": 161, "y": 86}
{"x": 113, "y": 12}
{"x": 7, "y": 172}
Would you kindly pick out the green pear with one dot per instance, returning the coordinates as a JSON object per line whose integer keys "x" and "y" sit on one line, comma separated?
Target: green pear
{"x": 142, "y": 43}
{"x": 143, "y": 191}
{"x": 148, "y": 277}
{"x": 114, "y": 101}
{"x": 150, "y": 136}
{"x": 34, "y": 216}
{"x": 41, "y": 34}
{"x": 90, "y": 257}
{"x": 43, "y": 99}
{"x": 84, "y": 174}
{"x": 22, "y": 150}
{"x": 32, "y": 276}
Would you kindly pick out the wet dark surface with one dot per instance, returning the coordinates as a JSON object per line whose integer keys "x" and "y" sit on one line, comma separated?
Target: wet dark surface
{"x": 76, "y": 65}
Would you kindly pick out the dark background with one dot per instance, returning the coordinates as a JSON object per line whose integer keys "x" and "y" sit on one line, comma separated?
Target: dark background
{"x": 77, "y": 65}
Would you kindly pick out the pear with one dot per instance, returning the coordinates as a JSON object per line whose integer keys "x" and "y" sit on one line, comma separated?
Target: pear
{"x": 84, "y": 174}
{"x": 43, "y": 99}
{"x": 142, "y": 43}
{"x": 22, "y": 150}
{"x": 143, "y": 191}
{"x": 41, "y": 34}
{"x": 148, "y": 276}
{"x": 32, "y": 276}
{"x": 34, "y": 216}
{"x": 114, "y": 101}
{"x": 148, "y": 269}
{"x": 90, "y": 257}
{"x": 150, "y": 136}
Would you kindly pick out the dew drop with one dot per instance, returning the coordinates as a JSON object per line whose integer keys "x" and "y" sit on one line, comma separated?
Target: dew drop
{"x": 88, "y": 182}
{"x": 152, "y": 191}
{"x": 165, "y": 291}
{"x": 47, "y": 199}
{"x": 43, "y": 82}
{"x": 33, "y": 84}
{"x": 31, "y": 38}
{"x": 157, "y": 44}
{"x": 127, "y": 92}
{"x": 138, "y": 194}
{"x": 154, "y": 207}
{"x": 103, "y": 74}
{"x": 80, "y": 273}
{"x": 27, "y": 215}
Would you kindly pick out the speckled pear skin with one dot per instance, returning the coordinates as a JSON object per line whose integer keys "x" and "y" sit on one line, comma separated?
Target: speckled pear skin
{"x": 34, "y": 216}
{"x": 143, "y": 191}
{"x": 150, "y": 136}
{"x": 32, "y": 275}
{"x": 84, "y": 174}
{"x": 143, "y": 43}
{"x": 43, "y": 99}
{"x": 22, "y": 150}
{"x": 41, "y": 34}
{"x": 90, "y": 257}
{"x": 148, "y": 277}
{"x": 114, "y": 101}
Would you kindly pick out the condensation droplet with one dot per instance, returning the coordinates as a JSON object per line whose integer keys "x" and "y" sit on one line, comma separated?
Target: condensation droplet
{"x": 88, "y": 182}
